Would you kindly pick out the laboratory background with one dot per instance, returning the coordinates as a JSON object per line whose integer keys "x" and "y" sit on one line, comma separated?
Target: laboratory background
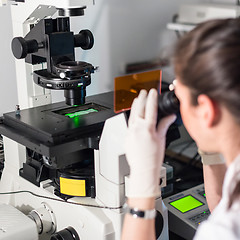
{"x": 130, "y": 36}
{"x": 125, "y": 32}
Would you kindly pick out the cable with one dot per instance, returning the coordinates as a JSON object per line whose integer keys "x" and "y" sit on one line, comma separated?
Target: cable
{"x": 1, "y": 155}
{"x": 59, "y": 200}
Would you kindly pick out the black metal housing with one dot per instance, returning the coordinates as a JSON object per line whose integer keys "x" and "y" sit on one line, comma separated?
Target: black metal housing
{"x": 57, "y": 143}
{"x": 51, "y": 41}
{"x": 48, "y": 132}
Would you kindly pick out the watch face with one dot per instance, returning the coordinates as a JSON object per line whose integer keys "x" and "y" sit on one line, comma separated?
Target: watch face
{"x": 137, "y": 213}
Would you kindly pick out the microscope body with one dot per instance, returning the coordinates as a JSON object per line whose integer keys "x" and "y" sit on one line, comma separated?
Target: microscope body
{"x": 49, "y": 146}
{"x": 97, "y": 216}
{"x": 84, "y": 214}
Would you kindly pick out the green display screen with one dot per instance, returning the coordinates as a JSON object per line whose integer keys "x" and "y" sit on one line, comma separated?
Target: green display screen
{"x": 186, "y": 204}
{"x": 81, "y": 113}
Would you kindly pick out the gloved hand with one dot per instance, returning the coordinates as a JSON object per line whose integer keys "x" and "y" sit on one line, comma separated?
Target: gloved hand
{"x": 145, "y": 145}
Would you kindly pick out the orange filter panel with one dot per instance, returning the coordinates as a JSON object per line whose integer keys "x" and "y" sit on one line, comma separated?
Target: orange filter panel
{"x": 128, "y": 87}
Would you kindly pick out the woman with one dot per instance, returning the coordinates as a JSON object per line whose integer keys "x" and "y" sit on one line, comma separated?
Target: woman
{"x": 207, "y": 68}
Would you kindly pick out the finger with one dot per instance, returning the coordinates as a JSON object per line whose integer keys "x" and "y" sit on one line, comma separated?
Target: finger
{"x": 132, "y": 113}
{"x": 164, "y": 124}
{"x": 151, "y": 107}
{"x": 141, "y": 102}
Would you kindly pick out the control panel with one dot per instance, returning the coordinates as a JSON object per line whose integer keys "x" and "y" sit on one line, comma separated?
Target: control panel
{"x": 187, "y": 210}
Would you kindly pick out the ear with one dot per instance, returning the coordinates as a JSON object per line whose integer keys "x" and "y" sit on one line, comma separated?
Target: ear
{"x": 208, "y": 110}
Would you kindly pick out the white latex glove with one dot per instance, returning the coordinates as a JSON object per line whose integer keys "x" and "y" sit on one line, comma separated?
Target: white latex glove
{"x": 145, "y": 145}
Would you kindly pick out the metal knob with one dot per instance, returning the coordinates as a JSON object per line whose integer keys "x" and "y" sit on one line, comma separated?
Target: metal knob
{"x": 84, "y": 39}
{"x": 21, "y": 47}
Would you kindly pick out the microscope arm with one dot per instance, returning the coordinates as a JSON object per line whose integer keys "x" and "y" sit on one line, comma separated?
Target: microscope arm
{"x": 25, "y": 15}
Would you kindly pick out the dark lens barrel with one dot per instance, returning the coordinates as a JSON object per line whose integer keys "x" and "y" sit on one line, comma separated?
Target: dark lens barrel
{"x": 68, "y": 233}
{"x": 75, "y": 96}
{"x": 168, "y": 104}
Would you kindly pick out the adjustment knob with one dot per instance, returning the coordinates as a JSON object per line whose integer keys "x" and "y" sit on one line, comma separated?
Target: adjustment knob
{"x": 21, "y": 47}
{"x": 84, "y": 39}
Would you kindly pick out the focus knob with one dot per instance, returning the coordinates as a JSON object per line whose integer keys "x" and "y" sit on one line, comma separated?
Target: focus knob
{"x": 84, "y": 39}
{"x": 21, "y": 47}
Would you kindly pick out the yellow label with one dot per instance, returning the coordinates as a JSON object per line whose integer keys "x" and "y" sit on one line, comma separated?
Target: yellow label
{"x": 73, "y": 187}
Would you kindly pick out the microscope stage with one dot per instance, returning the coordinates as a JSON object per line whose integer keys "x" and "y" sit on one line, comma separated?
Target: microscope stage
{"x": 56, "y": 128}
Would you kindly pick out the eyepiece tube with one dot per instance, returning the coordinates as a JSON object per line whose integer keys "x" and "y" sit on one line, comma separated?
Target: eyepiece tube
{"x": 168, "y": 104}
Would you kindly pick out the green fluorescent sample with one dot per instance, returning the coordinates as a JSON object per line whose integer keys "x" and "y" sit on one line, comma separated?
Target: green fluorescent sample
{"x": 186, "y": 204}
{"x": 81, "y": 113}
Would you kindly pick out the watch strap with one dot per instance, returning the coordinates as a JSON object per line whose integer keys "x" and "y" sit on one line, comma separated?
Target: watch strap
{"x": 211, "y": 158}
{"x": 138, "y": 213}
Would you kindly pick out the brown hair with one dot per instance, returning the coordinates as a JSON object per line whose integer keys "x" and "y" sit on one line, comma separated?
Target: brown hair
{"x": 207, "y": 60}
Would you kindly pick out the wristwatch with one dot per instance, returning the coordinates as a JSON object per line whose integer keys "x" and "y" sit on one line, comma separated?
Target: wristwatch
{"x": 209, "y": 158}
{"x": 137, "y": 213}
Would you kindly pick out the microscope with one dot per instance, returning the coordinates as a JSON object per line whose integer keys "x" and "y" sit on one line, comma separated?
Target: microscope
{"x": 65, "y": 174}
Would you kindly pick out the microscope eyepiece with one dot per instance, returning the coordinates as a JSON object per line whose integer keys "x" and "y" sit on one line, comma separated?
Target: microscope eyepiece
{"x": 168, "y": 104}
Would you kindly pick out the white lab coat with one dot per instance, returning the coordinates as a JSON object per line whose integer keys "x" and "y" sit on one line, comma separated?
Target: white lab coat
{"x": 224, "y": 223}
